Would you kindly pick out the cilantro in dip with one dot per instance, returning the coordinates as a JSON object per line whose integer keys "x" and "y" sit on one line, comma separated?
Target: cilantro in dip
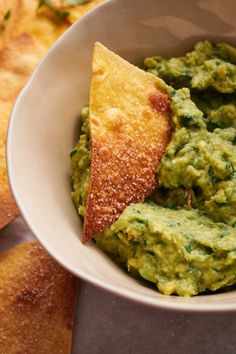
{"x": 183, "y": 238}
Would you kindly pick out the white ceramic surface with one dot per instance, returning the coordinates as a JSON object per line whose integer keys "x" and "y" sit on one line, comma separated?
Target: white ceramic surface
{"x": 45, "y": 121}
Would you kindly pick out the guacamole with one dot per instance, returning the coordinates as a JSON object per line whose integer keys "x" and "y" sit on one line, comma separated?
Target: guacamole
{"x": 180, "y": 251}
{"x": 183, "y": 238}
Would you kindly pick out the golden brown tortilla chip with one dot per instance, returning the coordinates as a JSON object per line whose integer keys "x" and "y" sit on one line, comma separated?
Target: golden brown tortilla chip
{"x": 37, "y": 302}
{"x": 25, "y": 18}
{"x": 17, "y": 61}
{"x": 26, "y": 35}
{"x": 130, "y": 128}
{"x": 42, "y": 23}
{"x": 8, "y": 209}
{"x": 7, "y": 27}
{"x": 38, "y": 23}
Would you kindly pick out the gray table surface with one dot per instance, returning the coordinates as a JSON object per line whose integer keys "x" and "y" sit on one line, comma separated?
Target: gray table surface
{"x": 108, "y": 324}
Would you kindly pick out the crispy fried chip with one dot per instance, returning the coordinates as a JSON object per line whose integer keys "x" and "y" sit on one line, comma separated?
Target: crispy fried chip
{"x": 16, "y": 63}
{"x": 26, "y": 18}
{"x": 8, "y": 208}
{"x": 25, "y": 35}
{"x": 7, "y": 27}
{"x": 42, "y": 23}
{"x": 37, "y": 301}
{"x": 130, "y": 128}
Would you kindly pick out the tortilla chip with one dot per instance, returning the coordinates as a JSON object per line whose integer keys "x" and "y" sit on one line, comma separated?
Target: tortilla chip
{"x": 37, "y": 302}
{"x": 25, "y": 18}
{"x": 26, "y": 36}
{"x": 8, "y": 208}
{"x": 130, "y": 128}
{"x": 41, "y": 23}
{"x": 17, "y": 61}
{"x": 6, "y": 28}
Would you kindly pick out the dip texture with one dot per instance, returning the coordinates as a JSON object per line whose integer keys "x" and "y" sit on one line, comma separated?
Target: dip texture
{"x": 179, "y": 250}
{"x": 183, "y": 238}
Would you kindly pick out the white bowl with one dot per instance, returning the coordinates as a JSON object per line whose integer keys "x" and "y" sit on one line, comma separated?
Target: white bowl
{"x": 44, "y": 127}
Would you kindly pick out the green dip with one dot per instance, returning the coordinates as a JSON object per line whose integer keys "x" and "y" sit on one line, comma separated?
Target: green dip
{"x": 180, "y": 251}
{"x": 183, "y": 238}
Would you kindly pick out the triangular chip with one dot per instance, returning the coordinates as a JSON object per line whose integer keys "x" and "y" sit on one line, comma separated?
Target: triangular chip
{"x": 26, "y": 31}
{"x": 8, "y": 208}
{"x": 45, "y": 22}
{"x": 17, "y": 61}
{"x": 37, "y": 302}
{"x": 130, "y": 128}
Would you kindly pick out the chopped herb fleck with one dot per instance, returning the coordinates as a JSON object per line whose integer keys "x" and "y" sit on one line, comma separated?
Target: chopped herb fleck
{"x": 59, "y": 14}
{"x": 73, "y": 152}
{"x": 221, "y": 203}
{"x": 186, "y": 119}
{"x": 179, "y": 148}
{"x": 5, "y": 20}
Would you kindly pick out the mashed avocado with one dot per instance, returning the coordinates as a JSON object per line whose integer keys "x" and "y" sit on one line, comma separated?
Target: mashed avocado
{"x": 183, "y": 238}
{"x": 180, "y": 251}
{"x": 80, "y": 161}
{"x": 208, "y": 65}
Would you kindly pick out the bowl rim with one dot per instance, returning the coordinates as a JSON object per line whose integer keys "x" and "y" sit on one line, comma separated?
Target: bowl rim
{"x": 160, "y": 303}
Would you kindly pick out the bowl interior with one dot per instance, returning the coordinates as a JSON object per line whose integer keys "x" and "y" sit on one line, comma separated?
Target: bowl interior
{"x": 45, "y": 125}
